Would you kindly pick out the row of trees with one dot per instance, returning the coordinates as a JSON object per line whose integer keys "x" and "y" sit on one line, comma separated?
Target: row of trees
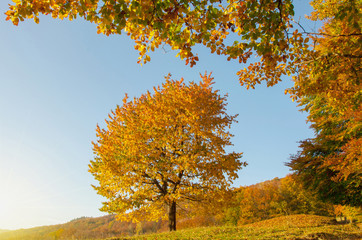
{"x": 168, "y": 147}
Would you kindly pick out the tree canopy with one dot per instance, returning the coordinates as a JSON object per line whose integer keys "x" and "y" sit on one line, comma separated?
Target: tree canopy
{"x": 329, "y": 89}
{"x": 165, "y": 148}
{"x": 236, "y": 29}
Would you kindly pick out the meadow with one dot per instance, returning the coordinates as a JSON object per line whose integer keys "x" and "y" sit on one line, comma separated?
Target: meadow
{"x": 296, "y": 227}
{"x": 286, "y": 227}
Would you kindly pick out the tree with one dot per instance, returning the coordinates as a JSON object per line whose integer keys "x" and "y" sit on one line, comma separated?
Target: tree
{"x": 330, "y": 90}
{"x": 164, "y": 148}
{"x": 236, "y": 29}
{"x": 298, "y": 200}
{"x": 329, "y": 66}
{"x": 331, "y": 163}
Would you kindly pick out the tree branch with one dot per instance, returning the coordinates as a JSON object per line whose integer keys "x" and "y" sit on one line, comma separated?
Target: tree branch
{"x": 155, "y": 182}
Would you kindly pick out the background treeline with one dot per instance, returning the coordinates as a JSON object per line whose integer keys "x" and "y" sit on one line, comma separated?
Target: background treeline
{"x": 269, "y": 199}
{"x": 243, "y": 205}
{"x": 273, "y": 198}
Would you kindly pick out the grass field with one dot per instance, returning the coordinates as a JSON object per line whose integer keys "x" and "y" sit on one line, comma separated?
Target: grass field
{"x": 296, "y": 227}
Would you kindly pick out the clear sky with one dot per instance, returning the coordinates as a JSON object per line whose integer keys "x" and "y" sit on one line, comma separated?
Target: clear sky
{"x": 59, "y": 79}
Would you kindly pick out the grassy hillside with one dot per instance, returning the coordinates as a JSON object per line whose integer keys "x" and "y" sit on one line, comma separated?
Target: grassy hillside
{"x": 81, "y": 228}
{"x": 295, "y": 227}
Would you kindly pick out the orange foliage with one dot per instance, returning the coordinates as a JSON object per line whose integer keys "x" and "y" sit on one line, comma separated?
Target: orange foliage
{"x": 163, "y": 149}
{"x": 272, "y": 198}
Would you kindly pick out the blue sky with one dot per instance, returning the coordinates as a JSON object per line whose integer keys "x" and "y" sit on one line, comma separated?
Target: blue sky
{"x": 59, "y": 79}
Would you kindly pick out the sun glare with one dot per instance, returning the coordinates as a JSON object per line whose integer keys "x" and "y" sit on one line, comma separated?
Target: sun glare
{"x": 4, "y": 206}
{"x": 15, "y": 201}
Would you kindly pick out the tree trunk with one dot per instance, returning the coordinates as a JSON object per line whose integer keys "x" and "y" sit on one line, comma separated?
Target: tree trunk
{"x": 172, "y": 216}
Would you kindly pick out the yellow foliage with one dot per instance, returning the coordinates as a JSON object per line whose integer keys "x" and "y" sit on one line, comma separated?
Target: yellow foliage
{"x": 164, "y": 147}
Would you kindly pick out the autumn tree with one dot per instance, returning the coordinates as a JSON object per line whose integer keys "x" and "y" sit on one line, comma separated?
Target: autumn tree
{"x": 296, "y": 199}
{"x": 236, "y": 29}
{"x": 324, "y": 63}
{"x": 164, "y": 148}
{"x": 331, "y": 164}
{"x": 329, "y": 89}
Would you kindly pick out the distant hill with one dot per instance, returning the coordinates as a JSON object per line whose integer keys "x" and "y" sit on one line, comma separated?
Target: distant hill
{"x": 81, "y": 228}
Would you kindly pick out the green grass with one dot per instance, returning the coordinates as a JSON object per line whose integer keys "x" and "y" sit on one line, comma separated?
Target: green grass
{"x": 296, "y": 227}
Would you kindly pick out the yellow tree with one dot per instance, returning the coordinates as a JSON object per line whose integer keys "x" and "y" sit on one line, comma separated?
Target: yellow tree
{"x": 164, "y": 148}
